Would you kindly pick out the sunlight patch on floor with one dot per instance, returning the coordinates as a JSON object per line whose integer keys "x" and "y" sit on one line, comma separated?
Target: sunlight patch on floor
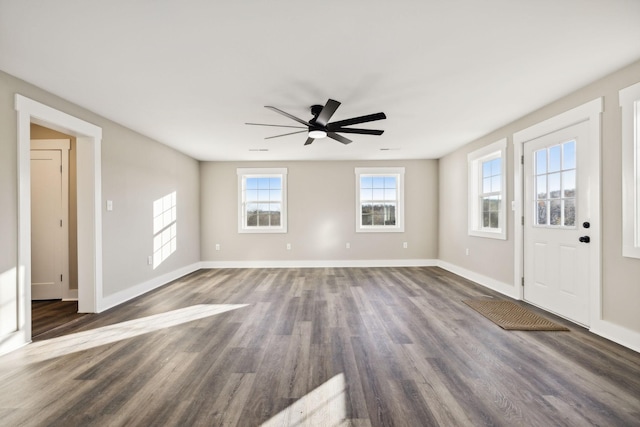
{"x": 324, "y": 406}
{"x": 80, "y": 341}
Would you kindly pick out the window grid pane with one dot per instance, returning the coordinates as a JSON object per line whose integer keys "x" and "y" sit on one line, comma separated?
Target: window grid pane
{"x": 555, "y": 185}
{"x": 378, "y": 200}
{"x": 491, "y": 193}
{"x": 262, "y": 201}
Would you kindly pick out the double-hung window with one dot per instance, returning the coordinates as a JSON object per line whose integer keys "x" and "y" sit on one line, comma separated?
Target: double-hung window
{"x": 487, "y": 191}
{"x": 380, "y": 199}
{"x": 262, "y": 196}
{"x": 630, "y": 103}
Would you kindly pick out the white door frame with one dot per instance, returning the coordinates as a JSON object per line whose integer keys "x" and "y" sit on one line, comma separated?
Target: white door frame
{"x": 589, "y": 112}
{"x": 89, "y": 196}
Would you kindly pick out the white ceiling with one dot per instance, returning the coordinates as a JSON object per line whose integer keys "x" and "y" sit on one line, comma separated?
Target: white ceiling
{"x": 190, "y": 73}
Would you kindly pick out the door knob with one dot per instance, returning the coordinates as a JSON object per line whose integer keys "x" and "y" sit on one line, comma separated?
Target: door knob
{"x": 585, "y": 239}
{"x": 586, "y": 224}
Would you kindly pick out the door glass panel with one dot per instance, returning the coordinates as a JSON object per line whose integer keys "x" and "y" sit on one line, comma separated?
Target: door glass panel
{"x": 555, "y": 185}
{"x": 555, "y": 153}
{"x": 569, "y": 155}
{"x": 556, "y": 213}
{"x": 541, "y": 190}
{"x": 569, "y": 212}
{"x": 569, "y": 183}
{"x": 541, "y": 217}
{"x": 541, "y": 162}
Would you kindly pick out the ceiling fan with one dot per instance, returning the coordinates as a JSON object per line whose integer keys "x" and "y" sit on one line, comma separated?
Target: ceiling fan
{"x": 319, "y": 126}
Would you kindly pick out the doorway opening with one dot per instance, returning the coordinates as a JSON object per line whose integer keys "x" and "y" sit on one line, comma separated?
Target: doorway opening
{"x": 89, "y": 220}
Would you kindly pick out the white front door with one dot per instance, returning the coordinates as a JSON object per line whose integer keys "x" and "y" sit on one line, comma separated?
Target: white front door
{"x": 557, "y": 222}
{"x": 46, "y": 224}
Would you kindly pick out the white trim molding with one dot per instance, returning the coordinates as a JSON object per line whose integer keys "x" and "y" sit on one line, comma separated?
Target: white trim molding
{"x": 356, "y": 263}
{"x": 243, "y": 174}
{"x": 398, "y": 174}
{"x": 630, "y": 105}
{"x": 475, "y": 160}
{"x": 486, "y": 281}
{"x": 132, "y": 292}
{"x": 89, "y": 194}
{"x": 589, "y": 112}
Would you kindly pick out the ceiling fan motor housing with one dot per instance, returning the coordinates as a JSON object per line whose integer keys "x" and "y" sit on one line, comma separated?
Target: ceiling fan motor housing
{"x": 316, "y": 109}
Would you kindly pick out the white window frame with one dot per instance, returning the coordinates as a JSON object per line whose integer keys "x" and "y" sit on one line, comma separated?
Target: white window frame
{"x": 475, "y": 160}
{"x": 630, "y": 106}
{"x": 398, "y": 173}
{"x": 243, "y": 174}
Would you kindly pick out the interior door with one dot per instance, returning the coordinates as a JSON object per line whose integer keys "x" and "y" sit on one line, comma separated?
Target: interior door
{"x": 46, "y": 224}
{"x": 556, "y": 223}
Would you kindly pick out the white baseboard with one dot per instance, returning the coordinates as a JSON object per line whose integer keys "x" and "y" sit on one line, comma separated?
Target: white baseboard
{"x": 608, "y": 330}
{"x": 321, "y": 263}
{"x": 127, "y": 294}
{"x": 488, "y": 282}
{"x": 616, "y": 333}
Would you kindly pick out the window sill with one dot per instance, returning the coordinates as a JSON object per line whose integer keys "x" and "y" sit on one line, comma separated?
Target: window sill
{"x": 499, "y": 235}
{"x": 262, "y": 231}
{"x": 380, "y": 230}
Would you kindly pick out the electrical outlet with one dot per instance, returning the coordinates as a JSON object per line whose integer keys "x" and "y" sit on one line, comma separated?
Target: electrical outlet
{"x": 288, "y": 246}
{"x": 466, "y": 251}
{"x": 405, "y": 245}
{"x": 217, "y": 246}
{"x": 109, "y": 205}
{"x": 348, "y": 245}
{"x": 149, "y": 260}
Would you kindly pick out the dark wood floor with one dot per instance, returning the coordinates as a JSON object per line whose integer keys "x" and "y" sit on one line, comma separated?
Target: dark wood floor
{"x": 49, "y": 314}
{"x": 334, "y": 346}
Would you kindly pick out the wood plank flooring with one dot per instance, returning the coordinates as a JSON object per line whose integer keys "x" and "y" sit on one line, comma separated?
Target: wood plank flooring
{"x": 325, "y": 346}
{"x": 50, "y": 314}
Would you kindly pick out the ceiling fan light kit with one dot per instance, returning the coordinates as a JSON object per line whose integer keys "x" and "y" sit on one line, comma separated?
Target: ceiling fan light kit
{"x": 317, "y": 134}
{"x": 319, "y": 126}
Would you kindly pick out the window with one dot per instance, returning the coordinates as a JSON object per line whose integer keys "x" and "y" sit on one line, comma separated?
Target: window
{"x": 630, "y": 103}
{"x": 555, "y": 181}
{"x": 165, "y": 229}
{"x": 380, "y": 199}
{"x": 487, "y": 191}
{"x": 262, "y": 200}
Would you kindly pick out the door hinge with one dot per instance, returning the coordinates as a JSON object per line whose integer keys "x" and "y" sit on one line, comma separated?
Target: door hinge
{"x": 522, "y": 219}
{"x": 522, "y": 159}
{"x": 60, "y": 223}
{"x": 61, "y": 277}
{"x": 60, "y": 168}
{"x": 523, "y": 281}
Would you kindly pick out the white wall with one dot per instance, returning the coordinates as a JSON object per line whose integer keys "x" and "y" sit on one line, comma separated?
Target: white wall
{"x": 135, "y": 171}
{"x": 321, "y": 215}
{"x": 494, "y": 259}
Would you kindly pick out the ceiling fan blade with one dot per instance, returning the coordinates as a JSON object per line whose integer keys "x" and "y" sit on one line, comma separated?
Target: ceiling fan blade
{"x": 284, "y": 113}
{"x": 278, "y": 126}
{"x": 309, "y": 141}
{"x": 327, "y": 111}
{"x": 285, "y": 134}
{"x": 360, "y": 131}
{"x": 356, "y": 120}
{"x": 339, "y": 138}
